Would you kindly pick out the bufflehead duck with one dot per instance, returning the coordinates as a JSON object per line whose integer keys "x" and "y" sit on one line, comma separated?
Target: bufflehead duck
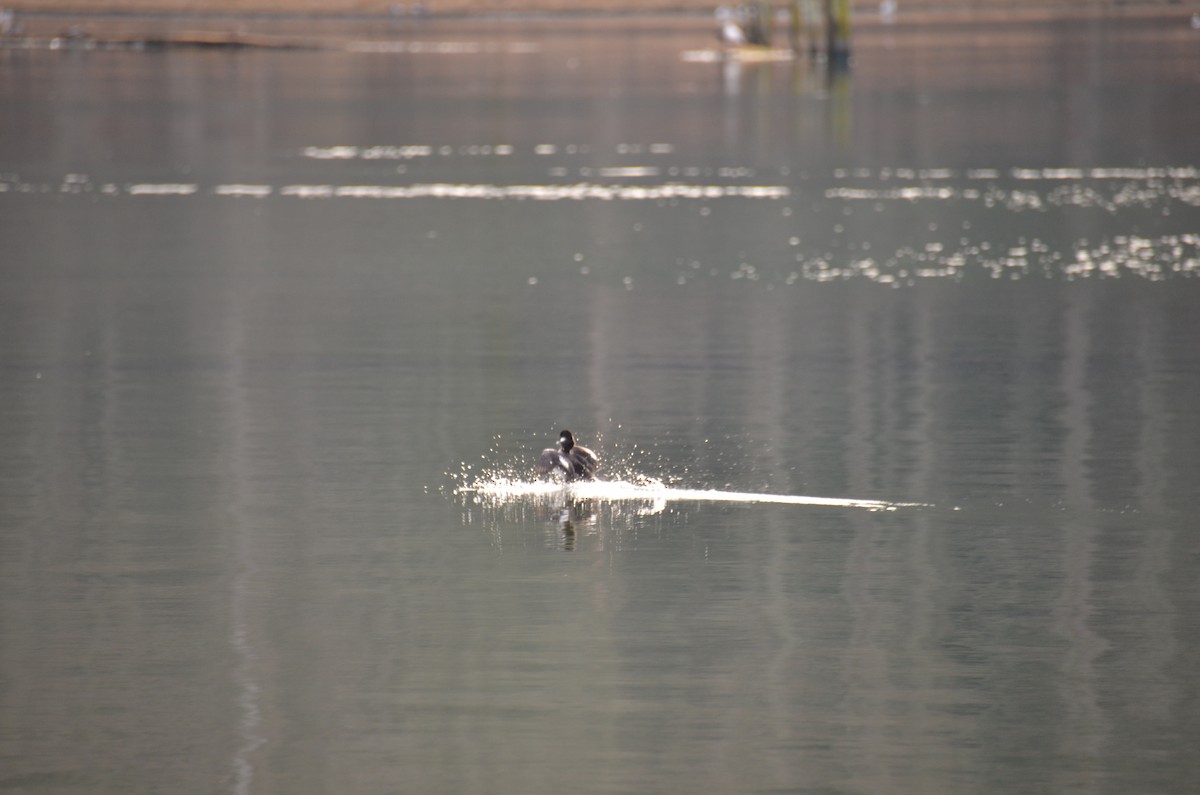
{"x": 574, "y": 461}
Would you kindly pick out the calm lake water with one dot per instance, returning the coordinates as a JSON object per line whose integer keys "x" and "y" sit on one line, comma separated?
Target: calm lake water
{"x": 282, "y": 333}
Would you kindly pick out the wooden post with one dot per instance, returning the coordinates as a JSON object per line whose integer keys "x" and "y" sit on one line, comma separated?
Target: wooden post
{"x": 795, "y": 25}
{"x": 837, "y": 30}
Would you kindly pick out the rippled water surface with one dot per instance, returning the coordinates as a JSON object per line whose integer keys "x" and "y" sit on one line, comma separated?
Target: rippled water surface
{"x": 894, "y": 375}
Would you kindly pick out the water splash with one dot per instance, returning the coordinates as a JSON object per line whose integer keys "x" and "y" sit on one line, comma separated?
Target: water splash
{"x": 646, "y": 490}
{"x": 624, "y": 487}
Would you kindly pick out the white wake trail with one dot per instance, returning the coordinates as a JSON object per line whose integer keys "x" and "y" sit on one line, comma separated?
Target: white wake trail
{"x": 503, "y": 490}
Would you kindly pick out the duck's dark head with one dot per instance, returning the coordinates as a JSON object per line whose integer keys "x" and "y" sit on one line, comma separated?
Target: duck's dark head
{"x": 566, "y": 441}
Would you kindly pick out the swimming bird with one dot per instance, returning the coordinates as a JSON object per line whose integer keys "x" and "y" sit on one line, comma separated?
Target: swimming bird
{"x": 729, "y": 30}
{"x": 574, "y": 461}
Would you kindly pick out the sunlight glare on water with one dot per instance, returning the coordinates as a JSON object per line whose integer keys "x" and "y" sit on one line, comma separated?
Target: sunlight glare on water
{"x": 886, "y": 195}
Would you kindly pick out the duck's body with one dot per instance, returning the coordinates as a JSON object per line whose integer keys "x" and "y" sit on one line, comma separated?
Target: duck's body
{"x": 574, "y": 461}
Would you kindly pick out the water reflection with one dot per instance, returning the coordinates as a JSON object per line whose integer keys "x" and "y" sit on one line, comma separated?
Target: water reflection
{"x": 230, "y": 562}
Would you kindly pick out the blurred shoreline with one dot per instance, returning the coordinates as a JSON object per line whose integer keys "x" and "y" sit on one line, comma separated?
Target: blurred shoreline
{"x": 363, "y": 25}
{"x": 924, "y": 10}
